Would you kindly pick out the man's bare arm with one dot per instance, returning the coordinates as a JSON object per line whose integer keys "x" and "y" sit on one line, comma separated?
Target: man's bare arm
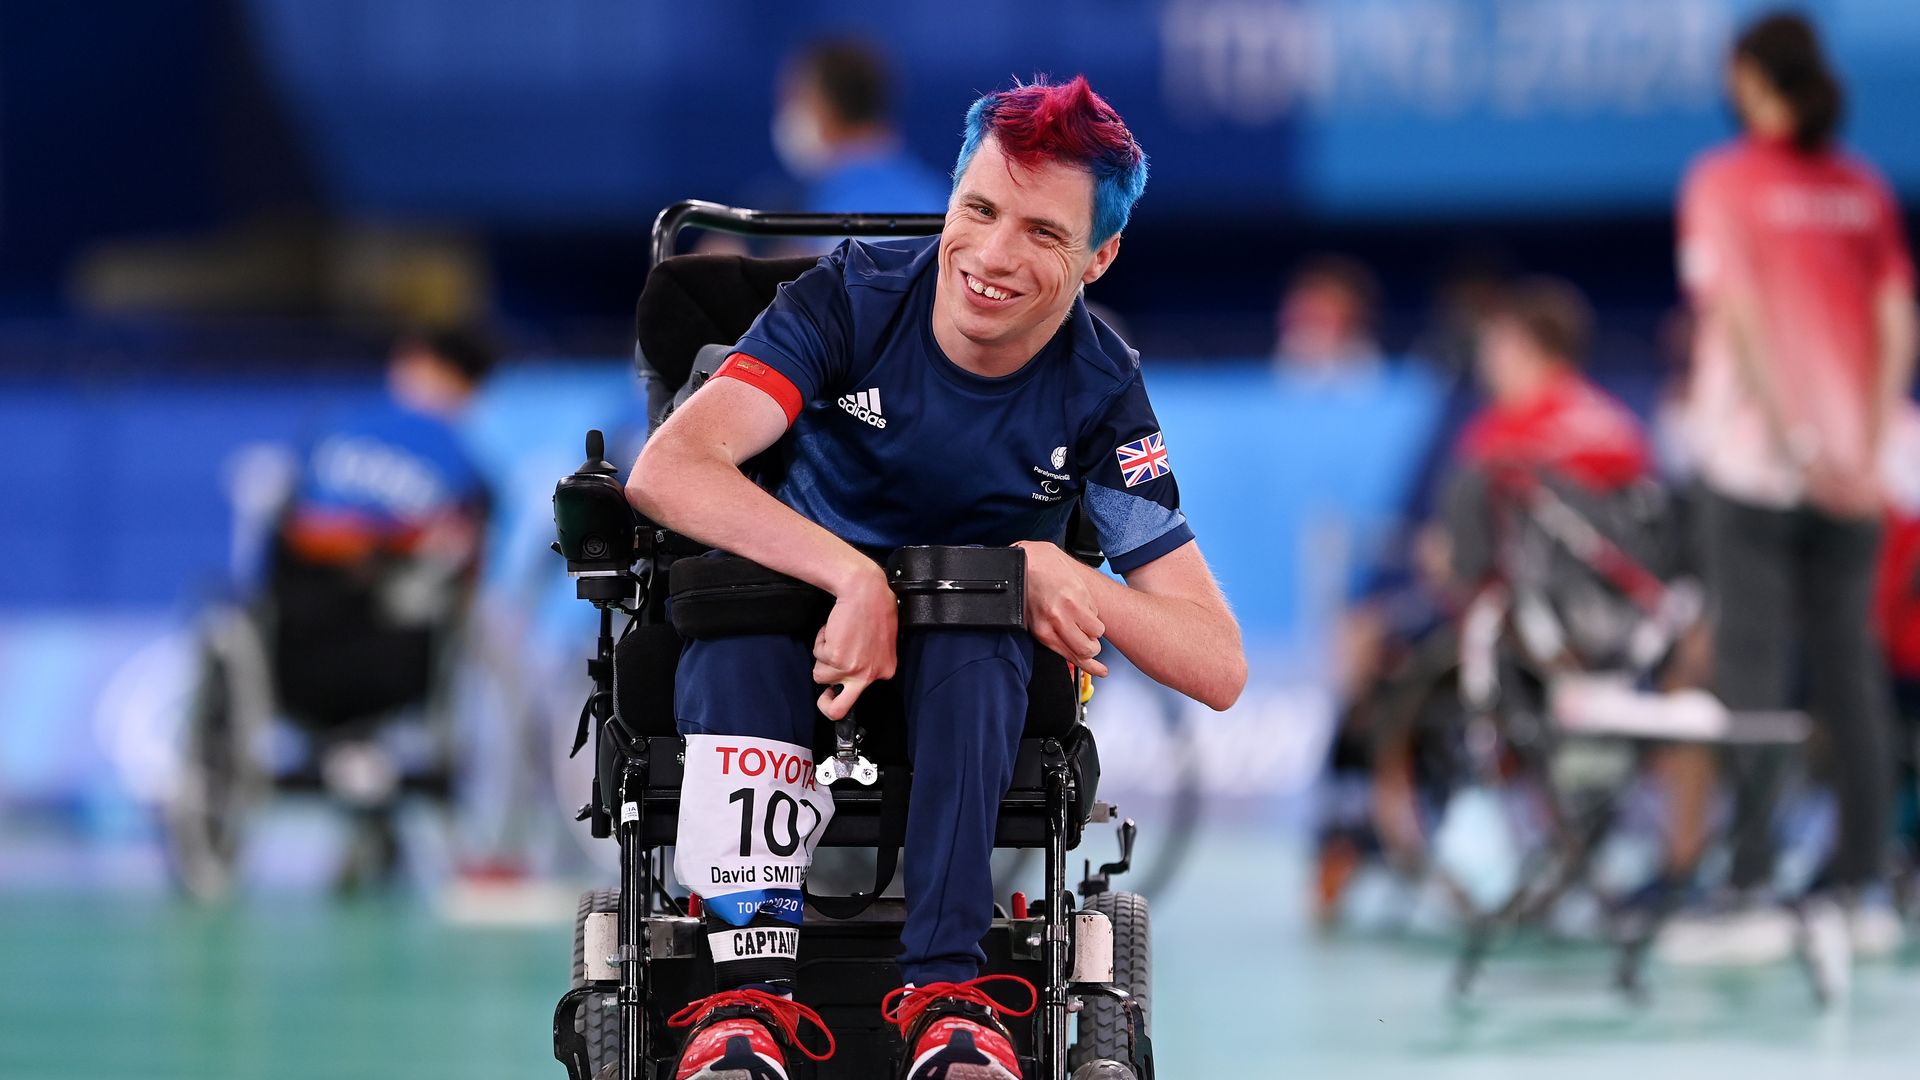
{"x": 688, "y": 478}
{"x": 1170, "y": 619}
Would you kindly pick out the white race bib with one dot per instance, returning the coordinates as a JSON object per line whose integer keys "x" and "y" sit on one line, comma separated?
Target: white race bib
{"x": 751, "y": 814}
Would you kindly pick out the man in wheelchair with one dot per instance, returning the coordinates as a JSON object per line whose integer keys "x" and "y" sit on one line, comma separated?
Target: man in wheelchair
{"x": 375, "y": 550}
{"x": 369, "y": 558}
{"x": 369, "y": 572}
{"x": 950, "y": 390}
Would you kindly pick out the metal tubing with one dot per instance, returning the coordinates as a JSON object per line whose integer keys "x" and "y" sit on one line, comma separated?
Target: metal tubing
{"x": 636, "y": 897}
{"x": 696, "y": 213}
{"x": 1053, "y": 1022}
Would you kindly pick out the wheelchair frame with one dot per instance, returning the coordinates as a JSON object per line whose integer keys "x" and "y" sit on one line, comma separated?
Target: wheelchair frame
{"x": 1509, "y": 636}
{"x": 655, "y": 939}
{"x": 224, "y": 777}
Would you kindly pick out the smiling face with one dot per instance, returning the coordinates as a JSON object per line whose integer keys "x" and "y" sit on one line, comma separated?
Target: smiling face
{"x": 1014, "y": 253}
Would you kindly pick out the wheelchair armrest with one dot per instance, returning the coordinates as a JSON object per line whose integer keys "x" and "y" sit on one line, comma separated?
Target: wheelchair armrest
{"x": 980, "y": 588}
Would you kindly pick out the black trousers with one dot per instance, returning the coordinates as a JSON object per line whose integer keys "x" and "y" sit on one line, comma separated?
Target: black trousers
{"x": 1793, "y": 592}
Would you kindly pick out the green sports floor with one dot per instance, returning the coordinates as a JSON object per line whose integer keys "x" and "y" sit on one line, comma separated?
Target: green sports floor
{"x": 130, "y": 984}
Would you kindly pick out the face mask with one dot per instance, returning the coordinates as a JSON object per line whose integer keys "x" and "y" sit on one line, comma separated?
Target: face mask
{"x": 798, "y": 143}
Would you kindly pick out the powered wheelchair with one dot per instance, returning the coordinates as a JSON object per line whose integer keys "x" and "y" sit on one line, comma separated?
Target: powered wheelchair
{"x": 639, "y": 952}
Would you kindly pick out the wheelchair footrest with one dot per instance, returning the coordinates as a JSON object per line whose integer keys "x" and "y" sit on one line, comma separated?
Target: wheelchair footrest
{"x": 846, "y": 967}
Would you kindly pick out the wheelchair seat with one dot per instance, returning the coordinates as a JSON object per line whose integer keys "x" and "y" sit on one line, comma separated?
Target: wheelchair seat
{"x": 340, "y": 660}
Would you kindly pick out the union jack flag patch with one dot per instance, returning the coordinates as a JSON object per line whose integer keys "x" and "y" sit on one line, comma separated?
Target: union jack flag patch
{"x": 1142, "y": 461}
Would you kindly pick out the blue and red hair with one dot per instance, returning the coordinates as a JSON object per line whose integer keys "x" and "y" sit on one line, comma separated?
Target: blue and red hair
{"x": 1069, "y": 124}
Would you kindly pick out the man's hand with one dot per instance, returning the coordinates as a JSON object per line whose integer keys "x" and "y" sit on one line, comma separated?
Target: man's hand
{"x": 1847, "y": 494}
{"x": 1061, "y": 613}
{"x": 856, "y": 647}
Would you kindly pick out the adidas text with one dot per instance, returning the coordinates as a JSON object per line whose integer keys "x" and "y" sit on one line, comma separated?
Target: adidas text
{"x": 864, "y": 405}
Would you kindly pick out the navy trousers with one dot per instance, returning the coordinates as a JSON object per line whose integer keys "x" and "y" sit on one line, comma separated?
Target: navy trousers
{"x": 965, "y": 693}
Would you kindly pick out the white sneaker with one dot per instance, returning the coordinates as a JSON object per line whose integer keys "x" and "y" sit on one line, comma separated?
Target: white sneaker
{"x": 1742, "y": 937}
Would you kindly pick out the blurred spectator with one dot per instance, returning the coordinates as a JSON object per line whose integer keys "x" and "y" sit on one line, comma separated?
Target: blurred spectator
{"x": 833, "y": 129}
{"x": 1399, "y": 649}
{"x": 381, "y": 540}
{"x": 1545, "y": 421}
{"x": 1394, "y": 643}
{"x": 1326, "y": 319}
{"x": 1792, "y": 255}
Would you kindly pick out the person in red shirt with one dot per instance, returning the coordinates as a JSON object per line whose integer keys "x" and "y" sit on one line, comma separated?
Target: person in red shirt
{"x": 1546, "y": 423}
{"x": 1793, "y": 259}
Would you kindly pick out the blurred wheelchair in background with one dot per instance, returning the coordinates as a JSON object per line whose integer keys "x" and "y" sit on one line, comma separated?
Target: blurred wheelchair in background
{"x": 639, "y": 952}
{"x": 333, "y": 681}
{"x": 1540, "y": 703}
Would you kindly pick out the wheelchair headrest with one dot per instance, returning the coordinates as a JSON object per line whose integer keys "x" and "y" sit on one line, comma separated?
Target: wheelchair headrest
{"x": 695, "y": 300}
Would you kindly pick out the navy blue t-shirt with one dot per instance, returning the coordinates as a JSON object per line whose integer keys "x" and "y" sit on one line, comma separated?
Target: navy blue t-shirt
{"x": 894, "y": 444}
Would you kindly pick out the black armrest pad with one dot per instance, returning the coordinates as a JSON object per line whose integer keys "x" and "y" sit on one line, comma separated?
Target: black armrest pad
{"x": 980, "y": 588}
{"x": 722, "y": 596}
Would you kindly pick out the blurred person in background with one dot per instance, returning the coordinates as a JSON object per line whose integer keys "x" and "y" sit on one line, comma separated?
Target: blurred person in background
{"x": 1325, "y": 323}
{"x": 1792, "y": 256}
{"x": 1394, "y": 638}
{"x": 1543, "y": 421}
{"x": 833, "y": 130}
{"x": 378, "y": 548}
{"x": 1548, "y": 423}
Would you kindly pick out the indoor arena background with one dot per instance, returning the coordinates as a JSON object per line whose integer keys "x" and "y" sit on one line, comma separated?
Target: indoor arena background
{"x": 215, "y": 213}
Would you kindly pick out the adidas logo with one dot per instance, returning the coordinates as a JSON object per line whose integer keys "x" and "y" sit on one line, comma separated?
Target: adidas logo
{"x": 864, "y": 405}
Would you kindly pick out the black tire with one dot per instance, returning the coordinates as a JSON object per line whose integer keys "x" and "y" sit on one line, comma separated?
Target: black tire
{"x": 219, "y": 784}
{"x": 1102, "y": 1027}
{"x": 600, "y": 1026}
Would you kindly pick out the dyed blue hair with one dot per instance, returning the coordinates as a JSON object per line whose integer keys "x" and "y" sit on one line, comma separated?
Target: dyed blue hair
{"x": 1069, "y": 124}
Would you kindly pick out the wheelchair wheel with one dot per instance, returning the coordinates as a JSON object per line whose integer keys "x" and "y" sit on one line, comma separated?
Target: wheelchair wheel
{"x": 1102, "y": 1032}
{"x": 219, "y": 781}
{"x": 599, "y": 1026}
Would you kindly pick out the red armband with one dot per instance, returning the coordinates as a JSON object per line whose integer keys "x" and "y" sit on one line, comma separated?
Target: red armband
{"x": 754, "y": 373}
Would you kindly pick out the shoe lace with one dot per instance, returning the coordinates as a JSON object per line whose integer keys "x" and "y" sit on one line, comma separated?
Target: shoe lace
{"x": 785, "y": 1013}
{"x": 905, "y": 1005}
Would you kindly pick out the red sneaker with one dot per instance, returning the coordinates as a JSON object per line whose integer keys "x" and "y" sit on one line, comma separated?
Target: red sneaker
{"x": 733, "y": 1036}
{"x": 951, "y": 1031}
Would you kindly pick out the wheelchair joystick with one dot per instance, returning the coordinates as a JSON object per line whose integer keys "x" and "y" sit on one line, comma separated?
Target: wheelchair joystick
{"x": 599, "y": 533}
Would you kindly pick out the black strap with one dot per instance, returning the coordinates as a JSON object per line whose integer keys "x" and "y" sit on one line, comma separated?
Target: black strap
{"x": 893, "y": 835}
